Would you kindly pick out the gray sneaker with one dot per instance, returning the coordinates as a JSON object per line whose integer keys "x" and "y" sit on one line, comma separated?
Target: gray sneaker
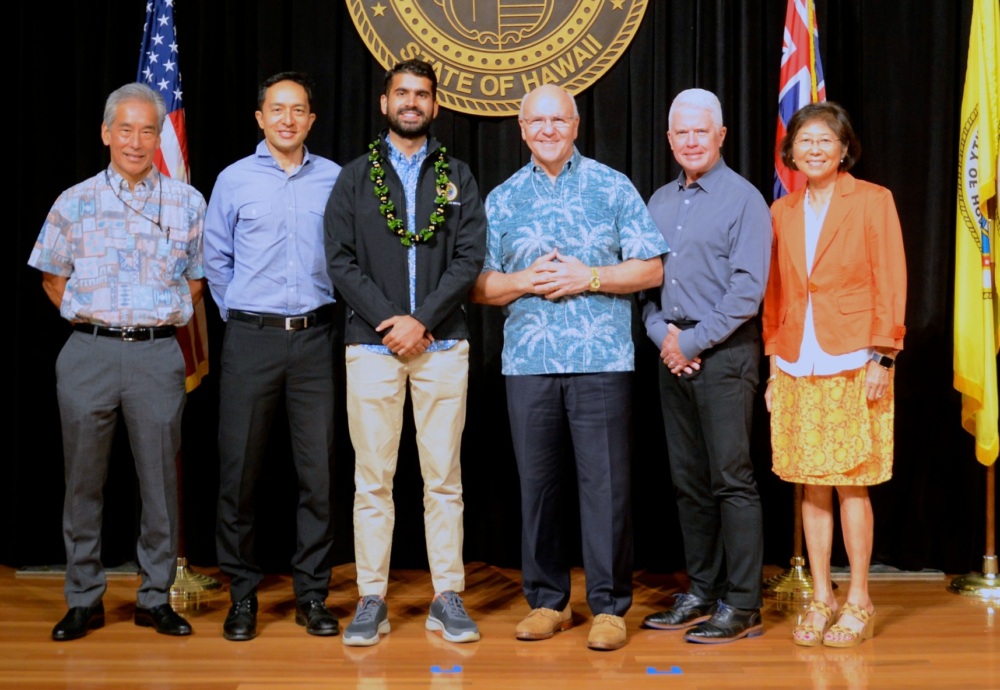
{"x": 371, "y": 619}
{"x": 448, "y": 616}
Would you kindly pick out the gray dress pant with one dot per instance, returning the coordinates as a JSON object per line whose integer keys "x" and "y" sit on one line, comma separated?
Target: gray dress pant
{"x": 95, "y": 377}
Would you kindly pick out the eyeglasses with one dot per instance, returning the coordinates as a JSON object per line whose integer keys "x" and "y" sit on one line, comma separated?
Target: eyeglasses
{"x": 537, "y": 123}
{"x": 824, "y": 144}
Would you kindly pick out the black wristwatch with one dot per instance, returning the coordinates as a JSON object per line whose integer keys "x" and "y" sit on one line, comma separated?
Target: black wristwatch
{"x": 884, "y": 361}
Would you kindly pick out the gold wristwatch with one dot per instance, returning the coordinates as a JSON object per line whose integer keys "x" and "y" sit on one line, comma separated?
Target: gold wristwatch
{"x": 595, "y": 280}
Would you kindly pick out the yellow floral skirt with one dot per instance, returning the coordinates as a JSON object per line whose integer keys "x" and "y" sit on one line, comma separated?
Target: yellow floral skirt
{"x": 825, "y": 431}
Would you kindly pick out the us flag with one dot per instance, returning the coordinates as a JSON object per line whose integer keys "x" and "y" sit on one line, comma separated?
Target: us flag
{"x": 801, "y": 82}
{"x": 158, "y": 69}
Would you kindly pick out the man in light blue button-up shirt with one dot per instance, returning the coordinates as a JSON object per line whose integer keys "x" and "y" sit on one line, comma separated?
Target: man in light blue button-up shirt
{"x": 266, "y": 268}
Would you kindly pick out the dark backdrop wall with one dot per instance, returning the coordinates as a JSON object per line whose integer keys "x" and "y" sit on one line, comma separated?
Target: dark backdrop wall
{"x": 897, "y": 67}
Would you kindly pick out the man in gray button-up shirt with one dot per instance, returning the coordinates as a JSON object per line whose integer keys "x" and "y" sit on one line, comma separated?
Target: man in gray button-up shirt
{"x": 719, "y": 231}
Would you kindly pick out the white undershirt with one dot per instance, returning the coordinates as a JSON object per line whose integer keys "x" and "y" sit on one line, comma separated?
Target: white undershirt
{"x": 813, "y": 360}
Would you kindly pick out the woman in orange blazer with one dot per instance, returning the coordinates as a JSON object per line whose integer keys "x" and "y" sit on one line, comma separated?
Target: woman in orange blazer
{"x": 833, "y": 323}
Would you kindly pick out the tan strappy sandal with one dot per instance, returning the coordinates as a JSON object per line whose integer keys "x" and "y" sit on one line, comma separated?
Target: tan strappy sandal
{"x": 809, "y": 635}
{"x": 851, "y": 638}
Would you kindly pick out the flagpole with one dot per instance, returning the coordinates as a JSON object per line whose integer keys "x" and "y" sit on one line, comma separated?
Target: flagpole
{"x": 975, "y": 278}
{"x": 795, "y": 583}
{"x": 801, "y": 82}
{"x": 189, "y": 586}
{"x": 985, "y": 584}
{"x": 158, "y": 69}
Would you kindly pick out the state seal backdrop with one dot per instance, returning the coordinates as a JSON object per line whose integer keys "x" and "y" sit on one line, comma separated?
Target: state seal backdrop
{"x": 489, "y": 53}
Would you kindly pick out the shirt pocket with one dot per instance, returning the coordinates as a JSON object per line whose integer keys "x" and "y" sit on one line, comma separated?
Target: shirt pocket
{"x": 159, "y": 260}
{"x": 592, "y": 233}
{"x": 254, "y": 216}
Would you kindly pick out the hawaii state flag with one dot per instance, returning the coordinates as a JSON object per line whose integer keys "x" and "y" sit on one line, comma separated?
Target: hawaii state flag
{"x": 977, "y": 319}
{"x": 158, "y": 69}
{"x": 801, "y": 83}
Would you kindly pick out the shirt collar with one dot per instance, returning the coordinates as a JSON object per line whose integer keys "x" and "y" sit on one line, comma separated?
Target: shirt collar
{"x": 264, "y": 156}
{"x": 117, "y": 181}
{"x": 708, "y": 181}
{"x": 571, "y": 165}
{"x": 397, "y": 157}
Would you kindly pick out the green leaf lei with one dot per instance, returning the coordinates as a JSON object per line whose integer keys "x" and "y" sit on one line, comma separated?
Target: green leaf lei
{"x": 388, "y": 209}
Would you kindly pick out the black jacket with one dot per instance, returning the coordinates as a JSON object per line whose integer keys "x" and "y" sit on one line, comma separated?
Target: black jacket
{"x": 367, "y": 262}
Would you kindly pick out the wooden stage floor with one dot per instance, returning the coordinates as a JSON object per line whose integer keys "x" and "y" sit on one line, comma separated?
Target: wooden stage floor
{"x": 926, "y": 637}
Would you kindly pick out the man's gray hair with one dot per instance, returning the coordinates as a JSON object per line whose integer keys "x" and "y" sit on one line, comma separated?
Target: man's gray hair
{"x": 696, "y": 98}
{"x": 576, "y": 111}
{"x": 134, "y": 92}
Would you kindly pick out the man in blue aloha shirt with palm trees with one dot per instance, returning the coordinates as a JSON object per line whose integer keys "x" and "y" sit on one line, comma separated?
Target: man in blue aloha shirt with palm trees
{"x": 569, "y": 241}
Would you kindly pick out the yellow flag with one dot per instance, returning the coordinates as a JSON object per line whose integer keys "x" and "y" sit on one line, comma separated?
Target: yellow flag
{"x": 976, "y": 301}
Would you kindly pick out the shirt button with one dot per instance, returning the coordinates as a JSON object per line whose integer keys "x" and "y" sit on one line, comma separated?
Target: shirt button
{"x": 673, "y": 281}
{"x": 687, "y": 201}
{"x": 678, "y": 227}
{"x": 813, "y": 287}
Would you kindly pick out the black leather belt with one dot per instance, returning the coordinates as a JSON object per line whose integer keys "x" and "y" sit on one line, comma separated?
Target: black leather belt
{"x": 128, "y": 334}
{"x": 299, "y": 322}
{"x": 683, "y": 323}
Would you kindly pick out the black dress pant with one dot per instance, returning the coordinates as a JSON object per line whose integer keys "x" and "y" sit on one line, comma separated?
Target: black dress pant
{"x": 707, "y": 419}
{"x": 260, "y": 365}
{"x": 598, "y": 409}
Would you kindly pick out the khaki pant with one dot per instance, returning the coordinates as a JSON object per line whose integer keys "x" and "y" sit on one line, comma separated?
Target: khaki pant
{"x": 376, "y": 391}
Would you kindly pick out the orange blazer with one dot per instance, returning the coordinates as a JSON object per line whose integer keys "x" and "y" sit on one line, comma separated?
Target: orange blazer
{"x": 858, "y": 281}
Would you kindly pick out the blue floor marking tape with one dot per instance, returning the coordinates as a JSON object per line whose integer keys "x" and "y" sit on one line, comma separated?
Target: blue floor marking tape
{"x": 672, "y": 671}
{"x": 453, "y": 669}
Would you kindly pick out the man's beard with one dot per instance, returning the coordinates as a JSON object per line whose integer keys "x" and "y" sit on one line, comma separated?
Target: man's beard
{"x": 410, "y": 130}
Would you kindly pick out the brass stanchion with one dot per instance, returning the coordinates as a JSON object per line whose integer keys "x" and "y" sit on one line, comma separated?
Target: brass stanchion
{"x": 985, "y": 585}
{"x": 189, "y": 587}
{"x": 795, "y": 583}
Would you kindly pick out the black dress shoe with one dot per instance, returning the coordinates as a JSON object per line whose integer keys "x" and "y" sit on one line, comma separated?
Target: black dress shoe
{"x": 687, "y": 610}
{"x": 164, "y": 619}
{"x": 77, "y": 621}
{"x": 317, "y": 618}
{"x": 726, "y": 625}
{"x": 241, "y": 622}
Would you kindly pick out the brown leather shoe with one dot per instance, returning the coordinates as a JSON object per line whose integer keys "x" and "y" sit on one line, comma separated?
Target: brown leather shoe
{"x": 607, "y": 633}
{"x": 541, "y": 624}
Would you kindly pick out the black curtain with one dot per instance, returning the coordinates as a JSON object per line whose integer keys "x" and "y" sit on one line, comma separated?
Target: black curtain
{"x": 897, "y": 67}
